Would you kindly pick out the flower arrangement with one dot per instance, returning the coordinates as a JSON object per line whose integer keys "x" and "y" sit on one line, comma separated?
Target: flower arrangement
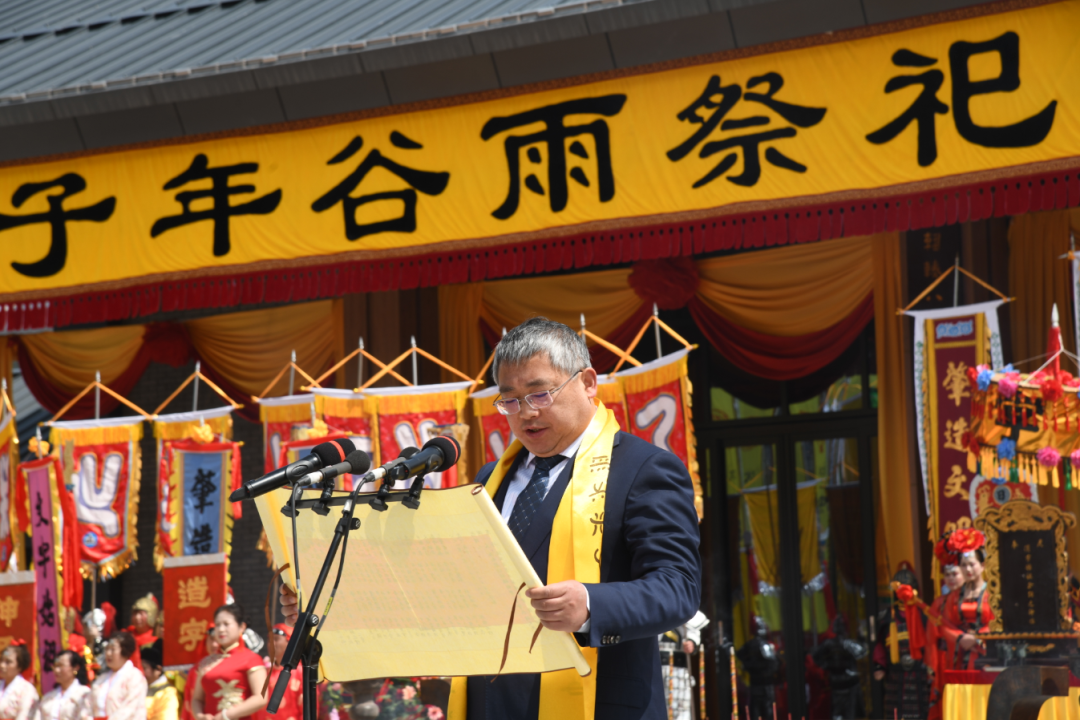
{"x": 944, "y": 554}
{"x": 399, "y": 699}
{"x": 966, "y": 540}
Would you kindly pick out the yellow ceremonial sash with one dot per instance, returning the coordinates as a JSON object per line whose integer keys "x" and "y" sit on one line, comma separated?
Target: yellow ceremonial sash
{"x": 574, "y": 554}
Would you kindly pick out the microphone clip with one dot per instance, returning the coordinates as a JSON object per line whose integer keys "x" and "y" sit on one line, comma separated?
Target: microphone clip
{"x": 412, "y": 501}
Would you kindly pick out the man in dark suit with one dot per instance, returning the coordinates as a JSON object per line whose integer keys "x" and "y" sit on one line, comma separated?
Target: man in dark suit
{"x": 650, "y": 569}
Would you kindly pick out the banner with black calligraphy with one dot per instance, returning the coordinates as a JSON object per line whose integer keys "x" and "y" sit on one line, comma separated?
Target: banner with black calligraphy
{"x": 812, "y": 123}
{"x": 102, "y": 459}
{"x": 195, "y": 478}
{"x": 658, "y": 410}
{"x": 281, "y": 417}
{"x": 44, "y": 482}
{"x": 11, "y": 539}
{"x": 410, "y": 416}
{"x": 194, "y": 586}
{"x": 950, "y": 345}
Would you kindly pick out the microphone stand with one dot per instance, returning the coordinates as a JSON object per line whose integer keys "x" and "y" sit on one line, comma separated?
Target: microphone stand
{"x": 302, "y": 642}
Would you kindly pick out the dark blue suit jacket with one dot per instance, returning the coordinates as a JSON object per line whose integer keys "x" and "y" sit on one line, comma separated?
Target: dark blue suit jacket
{"x": 650, "y": 582}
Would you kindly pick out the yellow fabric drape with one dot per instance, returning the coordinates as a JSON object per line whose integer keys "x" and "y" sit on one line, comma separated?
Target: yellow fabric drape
{"x": 605, "y": 297}
{"x": 68, "y": 360}
{"x": 1039, "y": 278}
{"x": 968, "y": 702}
{"x": 895, "y": 477}
{"x": 784, "y": 291}
{"x": 246, "y": 348}
{"x": 765, "y": 529}
{"x": 460, "y": 342}
{"x": 462, "y": 346}
{"x": 789, "y": 291}
{"x": 249, "y": 348}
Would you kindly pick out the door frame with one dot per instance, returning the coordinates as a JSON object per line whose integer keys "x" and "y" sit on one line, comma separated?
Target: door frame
{"x": 783, "y": 432}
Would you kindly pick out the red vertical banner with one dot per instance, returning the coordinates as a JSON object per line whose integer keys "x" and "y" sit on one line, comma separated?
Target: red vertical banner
{"x": 18, "y": 615}
{"x": 658, "y": 410}
{"x": 281, "y": 417}
{"x": 193, "y": 587}
{"x": 610, "y": 392}
{"x": 495, "y": 434}
{"x": 101, "y": 458}
{"x": 11, "y": 539}
{"x": 410, "y": 416}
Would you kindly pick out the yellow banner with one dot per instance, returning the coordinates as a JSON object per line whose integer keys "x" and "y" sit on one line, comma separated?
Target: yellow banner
{"x": 934, "y": 102}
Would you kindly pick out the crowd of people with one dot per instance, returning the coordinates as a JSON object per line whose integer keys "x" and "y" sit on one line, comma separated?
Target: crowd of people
{"x": 119, "y": 674}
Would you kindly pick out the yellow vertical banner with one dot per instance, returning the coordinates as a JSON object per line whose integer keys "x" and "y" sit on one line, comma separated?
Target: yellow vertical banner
{"x": 198, "y": 467}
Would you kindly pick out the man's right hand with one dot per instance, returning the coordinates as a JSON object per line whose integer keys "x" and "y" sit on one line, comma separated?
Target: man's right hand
{"x": 290, "y": 605}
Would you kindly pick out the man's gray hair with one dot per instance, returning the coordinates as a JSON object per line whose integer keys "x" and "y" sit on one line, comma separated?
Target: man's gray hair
{"x": 565, "y": 349}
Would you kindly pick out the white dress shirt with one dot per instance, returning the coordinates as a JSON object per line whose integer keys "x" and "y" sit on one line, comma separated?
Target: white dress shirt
{"x": 525, "y": 472}
{"x": 521, "y": 480}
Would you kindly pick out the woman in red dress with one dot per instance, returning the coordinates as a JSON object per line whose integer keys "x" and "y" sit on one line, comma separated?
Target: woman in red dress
{"x": 939, "y": 651}
{"x": 968, "y": 611}
{"x": 231, "y": 685}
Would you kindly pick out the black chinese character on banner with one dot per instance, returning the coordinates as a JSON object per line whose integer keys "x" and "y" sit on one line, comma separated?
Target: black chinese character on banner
{"x": 202, "y": 538}
{"x": 203, "y": 488}
{"x": 717, "y": 100}
{"x": 219, "y": 193}
{"x": 1025, "y": 133}
{"x": 41, "y": 519}
{"x": 44, "y": 555}
{"x": 48, "y": 655}
{"x": 554, "y": 136}
{"x": 427, "y": 182}
{"x": 57, "y": 218}
{"x": 46, "y": 614}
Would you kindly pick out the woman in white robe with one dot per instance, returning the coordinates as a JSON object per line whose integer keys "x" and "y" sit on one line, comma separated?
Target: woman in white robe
{"x": 17, "y": 696}
{"x": 64, "y": 702}
{"x": 120, "y": 693}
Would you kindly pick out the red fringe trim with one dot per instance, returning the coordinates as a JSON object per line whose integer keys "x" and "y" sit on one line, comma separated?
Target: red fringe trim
{"x": 1000, "y": 198}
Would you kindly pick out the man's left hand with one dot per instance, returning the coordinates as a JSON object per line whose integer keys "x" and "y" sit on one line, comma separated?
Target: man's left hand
{"x": 562, "y": 606}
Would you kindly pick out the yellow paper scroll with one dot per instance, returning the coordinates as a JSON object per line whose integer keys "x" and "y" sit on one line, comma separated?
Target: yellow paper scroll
{"x": 815, "y": 121}
{"x": 424, "y": 592}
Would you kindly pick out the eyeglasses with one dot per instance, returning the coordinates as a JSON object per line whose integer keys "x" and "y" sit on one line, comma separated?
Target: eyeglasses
{"x": 536, "y": 400}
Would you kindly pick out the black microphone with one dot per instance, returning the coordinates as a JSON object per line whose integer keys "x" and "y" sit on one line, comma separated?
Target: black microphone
{"x": 356, "y": 463}
{"x": 439, "y": 453}
{"x": 327, "y": 453}
{"x": 383, "y": 470}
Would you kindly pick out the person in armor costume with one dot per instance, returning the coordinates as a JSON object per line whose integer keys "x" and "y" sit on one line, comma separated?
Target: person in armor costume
{"x": 676, "y": 647}
{"x": 144, "y": 616}
{"x": 94, "y": 652}
{"x": 899, "y": 660}
{"x": 839, "y": 657}
{"x": 967, "y": 611}
{"x": 760, "y": 660}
